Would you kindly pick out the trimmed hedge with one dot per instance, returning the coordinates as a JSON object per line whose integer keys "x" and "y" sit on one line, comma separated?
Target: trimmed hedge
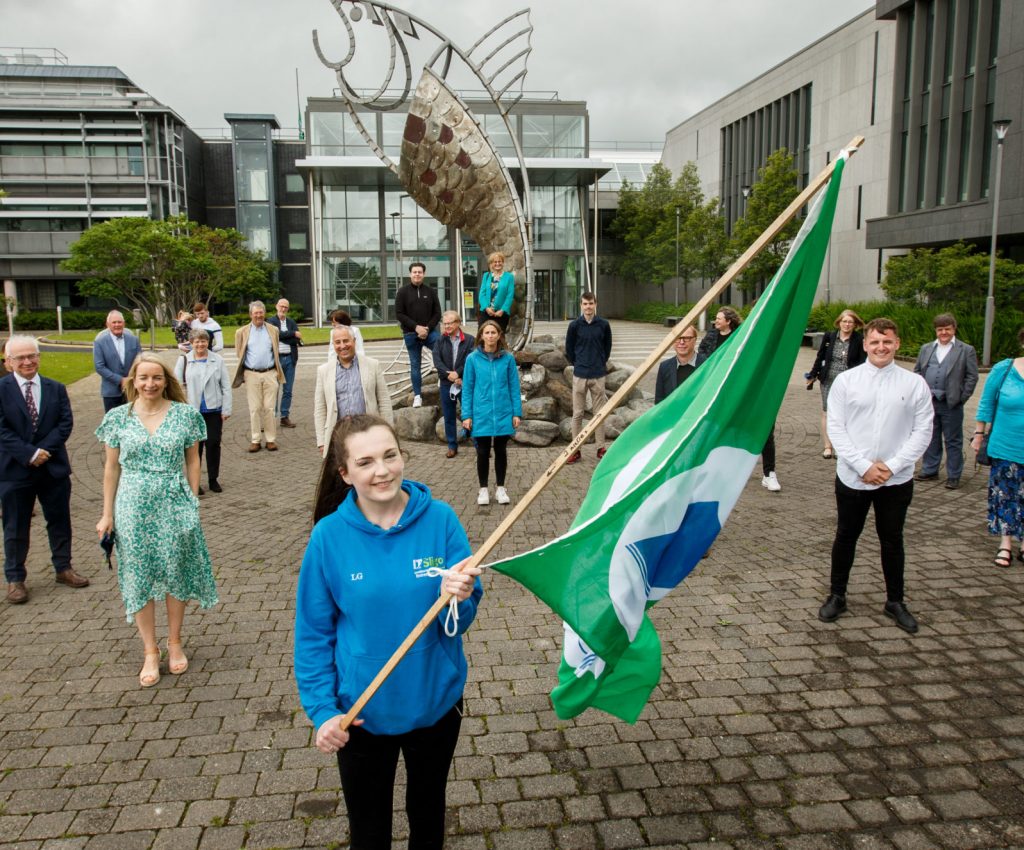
{"x": 73, "y": 320}
{"x": 915, "y": 323}
{"x": 916, "y": 327}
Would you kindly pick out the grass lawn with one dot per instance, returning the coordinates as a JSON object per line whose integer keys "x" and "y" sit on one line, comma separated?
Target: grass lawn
{"x": 310, "y": 336}
{"x": 66, "y": 367}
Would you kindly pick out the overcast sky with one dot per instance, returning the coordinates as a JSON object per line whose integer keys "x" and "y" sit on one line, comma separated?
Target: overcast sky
{"x": 642, "y": 66}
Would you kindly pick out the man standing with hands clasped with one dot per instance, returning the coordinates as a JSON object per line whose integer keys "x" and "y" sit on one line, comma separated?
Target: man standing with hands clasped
{"x": 879, "y": 422}
{"x": 588, "y": 345}
{"x": 950, "y": 368}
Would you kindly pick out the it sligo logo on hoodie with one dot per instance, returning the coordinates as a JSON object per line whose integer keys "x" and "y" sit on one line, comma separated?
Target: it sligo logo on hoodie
{"x": 421, "y": 567}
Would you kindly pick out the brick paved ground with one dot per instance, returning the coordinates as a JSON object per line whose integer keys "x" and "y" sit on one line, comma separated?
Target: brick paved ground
{"x": 768, "y": 730}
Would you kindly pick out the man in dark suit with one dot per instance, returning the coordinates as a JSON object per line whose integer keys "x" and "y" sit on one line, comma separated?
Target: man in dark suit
{"x": 450, "y": 353}
{"x": 35, "y": 423}
{"x": 671, "y": 373}
{"x": 113, "y": 353}
{"x": 950, "y": 368}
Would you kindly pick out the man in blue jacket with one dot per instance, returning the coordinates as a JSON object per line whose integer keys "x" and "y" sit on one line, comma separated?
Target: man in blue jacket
{"x": 113, "y": 353}
{"x": 588, "y": 345}
{"x": 450, "y": 354}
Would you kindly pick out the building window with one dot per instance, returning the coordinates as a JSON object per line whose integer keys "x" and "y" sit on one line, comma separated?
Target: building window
{"x": 297, "y": 242}
{"x": 294, "y": 184}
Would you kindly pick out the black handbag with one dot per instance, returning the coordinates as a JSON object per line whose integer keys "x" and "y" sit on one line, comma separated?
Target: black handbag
{"x": 982, "y": 458}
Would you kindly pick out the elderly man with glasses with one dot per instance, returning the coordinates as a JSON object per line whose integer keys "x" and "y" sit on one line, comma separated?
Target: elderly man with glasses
{"x": 35, "y": 423}
{"x": 450, "y": 355}
{"x": 672, "y": 372}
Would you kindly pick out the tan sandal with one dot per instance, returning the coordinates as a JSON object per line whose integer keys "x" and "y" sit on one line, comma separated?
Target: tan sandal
{"x": 147, "y": 675}
{"x": 176, "y": 667}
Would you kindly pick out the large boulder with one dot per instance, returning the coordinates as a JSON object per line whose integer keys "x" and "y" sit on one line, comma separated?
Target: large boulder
{"x": 567, "y": 376}
{"x": 532, "y": 379}
{"x": 641, "y": 404}
{"x": 543, "y": 407}
{"x": 553, "y": 360}
{"x": 538, "y": 348}
{"x": 525, "y": 358}
{"x": 535, "y": 432}
{"x": 416, "y": 423}
{"x": 628, "y": 415}
{"x": 463, "y": 436}
{"x": 614, "y": 425}
{"x": 560, "y": 393}
{"x": 565, "y": 429}
{"x": 548, "y": 338}
{"x": 430, "y": 393}
{"x": 616, "y": 379}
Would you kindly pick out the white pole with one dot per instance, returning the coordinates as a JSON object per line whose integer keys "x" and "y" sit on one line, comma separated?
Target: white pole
{"x": 990, "y": 302}
{"x": 10, "y": 320}
{"x": 60, "y": 320}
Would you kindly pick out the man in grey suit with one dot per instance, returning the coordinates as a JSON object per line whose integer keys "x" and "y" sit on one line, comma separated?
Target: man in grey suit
{"x": 113, "y": 353}
{"x": 950, "y": 368}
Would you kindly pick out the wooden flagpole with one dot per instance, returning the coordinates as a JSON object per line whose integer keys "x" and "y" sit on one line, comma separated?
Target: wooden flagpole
{"x": 620, "y": 395}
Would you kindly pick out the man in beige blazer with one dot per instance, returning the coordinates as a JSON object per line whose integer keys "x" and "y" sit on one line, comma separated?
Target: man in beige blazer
{"x": 259, "y": 368}
{"x": 350, "y": 384}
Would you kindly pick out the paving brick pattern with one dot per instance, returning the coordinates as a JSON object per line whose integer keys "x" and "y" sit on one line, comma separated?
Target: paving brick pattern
{"x": 768, "y": 730}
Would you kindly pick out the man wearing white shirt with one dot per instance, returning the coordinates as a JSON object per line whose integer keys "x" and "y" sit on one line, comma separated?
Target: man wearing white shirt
{"x": 880, "y": 423}
{"x": 950, "y": 368}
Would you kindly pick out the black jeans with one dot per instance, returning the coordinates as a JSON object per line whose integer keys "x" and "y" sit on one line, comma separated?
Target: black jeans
{"x": 214, "y": 430}
{"x": 483, "y": 459}
{"x": 891, "y": 505}
{"x": 367, "y": 765}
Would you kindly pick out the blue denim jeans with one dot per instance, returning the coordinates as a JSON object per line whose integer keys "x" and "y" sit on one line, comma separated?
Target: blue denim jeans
{"x": 288, "y": 367}
{"x": 414, "y": 345}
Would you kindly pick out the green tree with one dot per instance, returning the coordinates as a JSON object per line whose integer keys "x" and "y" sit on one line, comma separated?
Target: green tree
{"x": 646, "y": 222}
{"x": 160, "y": 267}
{"x": 705, "y": 241}
{"x": 776, "y": 186}
{"x": 954, "y": 275}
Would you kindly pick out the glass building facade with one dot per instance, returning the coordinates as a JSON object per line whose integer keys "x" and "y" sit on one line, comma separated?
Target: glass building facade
{"x": 365, "y": 230}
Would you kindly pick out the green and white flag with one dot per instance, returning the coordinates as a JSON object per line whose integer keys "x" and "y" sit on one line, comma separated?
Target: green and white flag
{"x": 663, "y": 491}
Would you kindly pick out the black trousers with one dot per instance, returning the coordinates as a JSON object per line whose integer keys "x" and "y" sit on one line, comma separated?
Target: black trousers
{"x": 214, "y": 431}
{"x": 367, "y": 765}
{"x": 483, "y": 459}
{"x": 768, "y": 454}
{"x": 18, "y": 499}
{"x": 890, "y": 505}
{"x": 112, "y": 401}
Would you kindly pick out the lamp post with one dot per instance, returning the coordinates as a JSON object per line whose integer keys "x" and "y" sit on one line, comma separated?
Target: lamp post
{"x": 1001, "y": 125}
{"x": 677, "y": 256}
{"x": 394, "y": 245}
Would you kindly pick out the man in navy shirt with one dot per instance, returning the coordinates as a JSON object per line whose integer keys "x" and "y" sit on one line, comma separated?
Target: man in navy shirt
{"x": 588, "y": 345}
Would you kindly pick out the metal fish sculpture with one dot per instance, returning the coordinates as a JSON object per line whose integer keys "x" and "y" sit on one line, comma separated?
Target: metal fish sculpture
{"x": 448, "y": 164}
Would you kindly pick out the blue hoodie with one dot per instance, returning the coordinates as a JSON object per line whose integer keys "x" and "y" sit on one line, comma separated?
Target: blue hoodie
{"x": 362, "y": 590}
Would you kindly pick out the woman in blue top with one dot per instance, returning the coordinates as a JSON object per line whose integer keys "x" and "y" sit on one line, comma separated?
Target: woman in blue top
{"x": 497, "y": 289}
{"x": 372, "y": 568}
{"x": 1001, "y": 414}
{"x": 491, "y": 406}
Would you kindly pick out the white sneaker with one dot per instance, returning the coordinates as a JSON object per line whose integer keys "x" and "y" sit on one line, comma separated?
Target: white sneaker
{"x": 417, "y": 401}
{"x": 502, "y": 496}
{"x": 483, "y": 498}
{"x": 770, "y": 482}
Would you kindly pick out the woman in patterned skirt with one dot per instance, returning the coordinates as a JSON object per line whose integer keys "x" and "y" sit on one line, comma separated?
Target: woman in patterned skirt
{"x": 150, "y": 481}
{"x": 1001, "y": 416}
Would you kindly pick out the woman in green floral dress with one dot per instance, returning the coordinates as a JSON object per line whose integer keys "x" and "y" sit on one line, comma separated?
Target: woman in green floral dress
{"x": 150, "y": 481}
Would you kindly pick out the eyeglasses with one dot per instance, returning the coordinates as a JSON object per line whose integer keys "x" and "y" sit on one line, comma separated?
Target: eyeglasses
{"x": 23, "y": 358}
